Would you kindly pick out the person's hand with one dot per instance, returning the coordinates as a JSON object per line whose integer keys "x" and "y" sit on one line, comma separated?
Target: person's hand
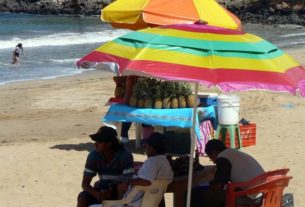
{"x": 123, "y": 187}
{"x": 103, "y": 195}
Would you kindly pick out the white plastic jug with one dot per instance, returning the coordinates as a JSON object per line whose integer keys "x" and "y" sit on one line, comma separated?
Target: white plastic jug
{"x": 228, "y": 109}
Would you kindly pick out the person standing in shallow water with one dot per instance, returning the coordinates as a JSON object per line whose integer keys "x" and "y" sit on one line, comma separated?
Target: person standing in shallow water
{"x": 16, "y": 53}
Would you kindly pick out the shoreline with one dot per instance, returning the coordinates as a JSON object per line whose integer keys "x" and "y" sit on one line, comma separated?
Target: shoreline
{"x": 44, "y": 128}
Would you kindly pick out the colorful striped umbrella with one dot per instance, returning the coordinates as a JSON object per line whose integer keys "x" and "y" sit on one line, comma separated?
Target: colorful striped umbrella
{"x": 230, "y": 59}
{"x": 139, "y": 14}
{"x": 212, "y": 56}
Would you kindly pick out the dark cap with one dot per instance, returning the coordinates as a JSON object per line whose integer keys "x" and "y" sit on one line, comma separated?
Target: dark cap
{"x": 157, "y": 141}
{"x": 105, "y": 134}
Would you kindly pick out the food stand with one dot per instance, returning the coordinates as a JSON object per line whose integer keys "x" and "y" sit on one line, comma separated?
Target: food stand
{"x": 180, "y": 117}
{"x": 163, "y": 104}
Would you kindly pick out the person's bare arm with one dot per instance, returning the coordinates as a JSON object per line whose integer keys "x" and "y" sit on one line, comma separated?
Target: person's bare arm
{"x": 86, "y": 185}
{"x": 139, "y": 181}
{"x": 123, "y": 187}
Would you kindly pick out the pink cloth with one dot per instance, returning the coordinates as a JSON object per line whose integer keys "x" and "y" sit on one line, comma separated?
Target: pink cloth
{"x": 207, "y": 133}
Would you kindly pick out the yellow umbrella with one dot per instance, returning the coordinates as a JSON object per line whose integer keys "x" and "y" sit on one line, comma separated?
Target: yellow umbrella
{"x": 138, "y": 14}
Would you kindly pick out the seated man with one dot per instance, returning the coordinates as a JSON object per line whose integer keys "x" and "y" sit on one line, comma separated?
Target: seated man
{"x": 232, "y": 165}
{"x": 156, "y": 167}
{"x": 111, "y": 161}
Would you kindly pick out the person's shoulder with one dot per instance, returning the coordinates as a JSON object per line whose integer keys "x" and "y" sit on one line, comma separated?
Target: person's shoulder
{"x": 125, "y": 153}
{"x": 94, "y": 154}
{"x": 157, "y": 159}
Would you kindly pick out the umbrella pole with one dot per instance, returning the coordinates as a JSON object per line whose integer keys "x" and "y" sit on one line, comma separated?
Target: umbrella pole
{"x": 192, "y": 150}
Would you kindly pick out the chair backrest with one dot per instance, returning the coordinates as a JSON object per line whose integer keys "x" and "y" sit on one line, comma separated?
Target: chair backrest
{"x": 272, "y": 191}
{"x": 151, "y": 195}
{"x": 259, "y": 179}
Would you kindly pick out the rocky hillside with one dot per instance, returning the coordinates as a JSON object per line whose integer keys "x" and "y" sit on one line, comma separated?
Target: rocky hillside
{"x": 262, "y": 11}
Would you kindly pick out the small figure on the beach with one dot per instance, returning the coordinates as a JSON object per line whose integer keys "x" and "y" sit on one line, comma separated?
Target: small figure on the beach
{"x": 111, "y": 162}
{"x": 16, "y": 53}
{"x": 232, "y": 165}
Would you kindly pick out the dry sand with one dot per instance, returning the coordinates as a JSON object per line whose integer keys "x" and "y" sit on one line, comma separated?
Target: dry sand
{"x": 44, "y": 127}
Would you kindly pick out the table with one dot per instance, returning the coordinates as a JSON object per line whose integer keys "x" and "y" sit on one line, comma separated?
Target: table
{"x": 179, "y": 185}
{"x": 180, "y": 117}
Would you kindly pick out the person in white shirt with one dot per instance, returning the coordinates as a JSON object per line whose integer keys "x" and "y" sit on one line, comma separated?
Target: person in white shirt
{"x": 16, "y": 53}
{"x": 156, "y": 167}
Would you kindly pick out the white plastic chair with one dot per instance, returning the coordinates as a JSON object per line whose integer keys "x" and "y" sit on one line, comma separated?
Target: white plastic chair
{"x": 153, "y": 195}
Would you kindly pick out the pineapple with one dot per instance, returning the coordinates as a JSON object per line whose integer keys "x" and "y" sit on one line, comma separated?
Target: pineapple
{"x": 130, "y": 82}
{"x": 174, "y": 99}
{"x": 148, "y": 87}
{"x": 181, "y": 95}
{"x": 120, "y": 88}
{"x": 141, "y": 102}
{"x": 119, "y": 80}
{"x": 190, "y": 96}
{"x": 157, "y": 95}
{"x": 174, "y": 103}
{"x": 165, "y": 95}
{"x": 119, "y": 91}
{"x": 133, "y": 101}
{"x": 141, "y": 92}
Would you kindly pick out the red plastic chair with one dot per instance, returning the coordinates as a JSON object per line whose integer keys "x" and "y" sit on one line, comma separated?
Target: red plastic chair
{"x": 270, "y": 184}
{"x": 259, "y": 179}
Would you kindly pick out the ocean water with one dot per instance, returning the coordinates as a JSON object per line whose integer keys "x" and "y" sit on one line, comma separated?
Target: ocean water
{"x": 52, "y": 44}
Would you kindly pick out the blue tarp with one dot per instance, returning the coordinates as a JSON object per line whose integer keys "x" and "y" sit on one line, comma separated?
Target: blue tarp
{"x": 181, "y": 117}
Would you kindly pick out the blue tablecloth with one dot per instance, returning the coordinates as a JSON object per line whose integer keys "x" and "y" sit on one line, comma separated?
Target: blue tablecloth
{"x": 181, "y": 117}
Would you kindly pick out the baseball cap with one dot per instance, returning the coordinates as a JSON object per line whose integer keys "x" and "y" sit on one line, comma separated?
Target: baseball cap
{"x": 104, "y": 134}
{"x": 157, "y": 141}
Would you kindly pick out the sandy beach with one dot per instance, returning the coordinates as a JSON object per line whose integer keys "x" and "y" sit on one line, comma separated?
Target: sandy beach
{"x": 44, "y": 127}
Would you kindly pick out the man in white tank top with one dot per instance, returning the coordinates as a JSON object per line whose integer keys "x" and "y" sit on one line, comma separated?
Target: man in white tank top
{"x": 232, "y": 165}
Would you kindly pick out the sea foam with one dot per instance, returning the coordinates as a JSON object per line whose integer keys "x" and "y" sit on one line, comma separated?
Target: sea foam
{"x": 62, "y": 39}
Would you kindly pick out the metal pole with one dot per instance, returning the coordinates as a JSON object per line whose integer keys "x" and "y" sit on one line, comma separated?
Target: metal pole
{"x": 192, "y": 150}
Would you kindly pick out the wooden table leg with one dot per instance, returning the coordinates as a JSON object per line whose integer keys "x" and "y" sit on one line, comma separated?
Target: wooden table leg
{"x": 138, "y": 135}
{"x": 179, "y": 197}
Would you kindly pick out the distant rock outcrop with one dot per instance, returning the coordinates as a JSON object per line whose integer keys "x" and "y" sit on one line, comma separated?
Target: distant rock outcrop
{"x": 255, "y": 11}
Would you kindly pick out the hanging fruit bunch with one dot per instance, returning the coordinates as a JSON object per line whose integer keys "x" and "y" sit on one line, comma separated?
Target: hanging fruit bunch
{"x": 120, "y": 88}
{"x": 130, "y": 82}
{"x": 152, "y": 93}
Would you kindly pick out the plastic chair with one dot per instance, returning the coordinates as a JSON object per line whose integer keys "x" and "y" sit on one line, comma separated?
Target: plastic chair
{"x": 233, "y": 130}
{"x": 153, "y": 195}
{"x": 258, "y": 179}
{"x": 270, "y": 184}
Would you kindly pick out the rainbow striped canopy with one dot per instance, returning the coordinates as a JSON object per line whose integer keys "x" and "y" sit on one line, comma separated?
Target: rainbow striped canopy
{"x": 213, "y": 56}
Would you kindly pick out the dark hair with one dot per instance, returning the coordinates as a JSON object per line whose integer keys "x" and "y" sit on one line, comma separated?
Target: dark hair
{"x": 116, "y": 145}
{"x": 157, "y": 141}
{"x": 19, "y": 45}
{"x": 214, "y": 145}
